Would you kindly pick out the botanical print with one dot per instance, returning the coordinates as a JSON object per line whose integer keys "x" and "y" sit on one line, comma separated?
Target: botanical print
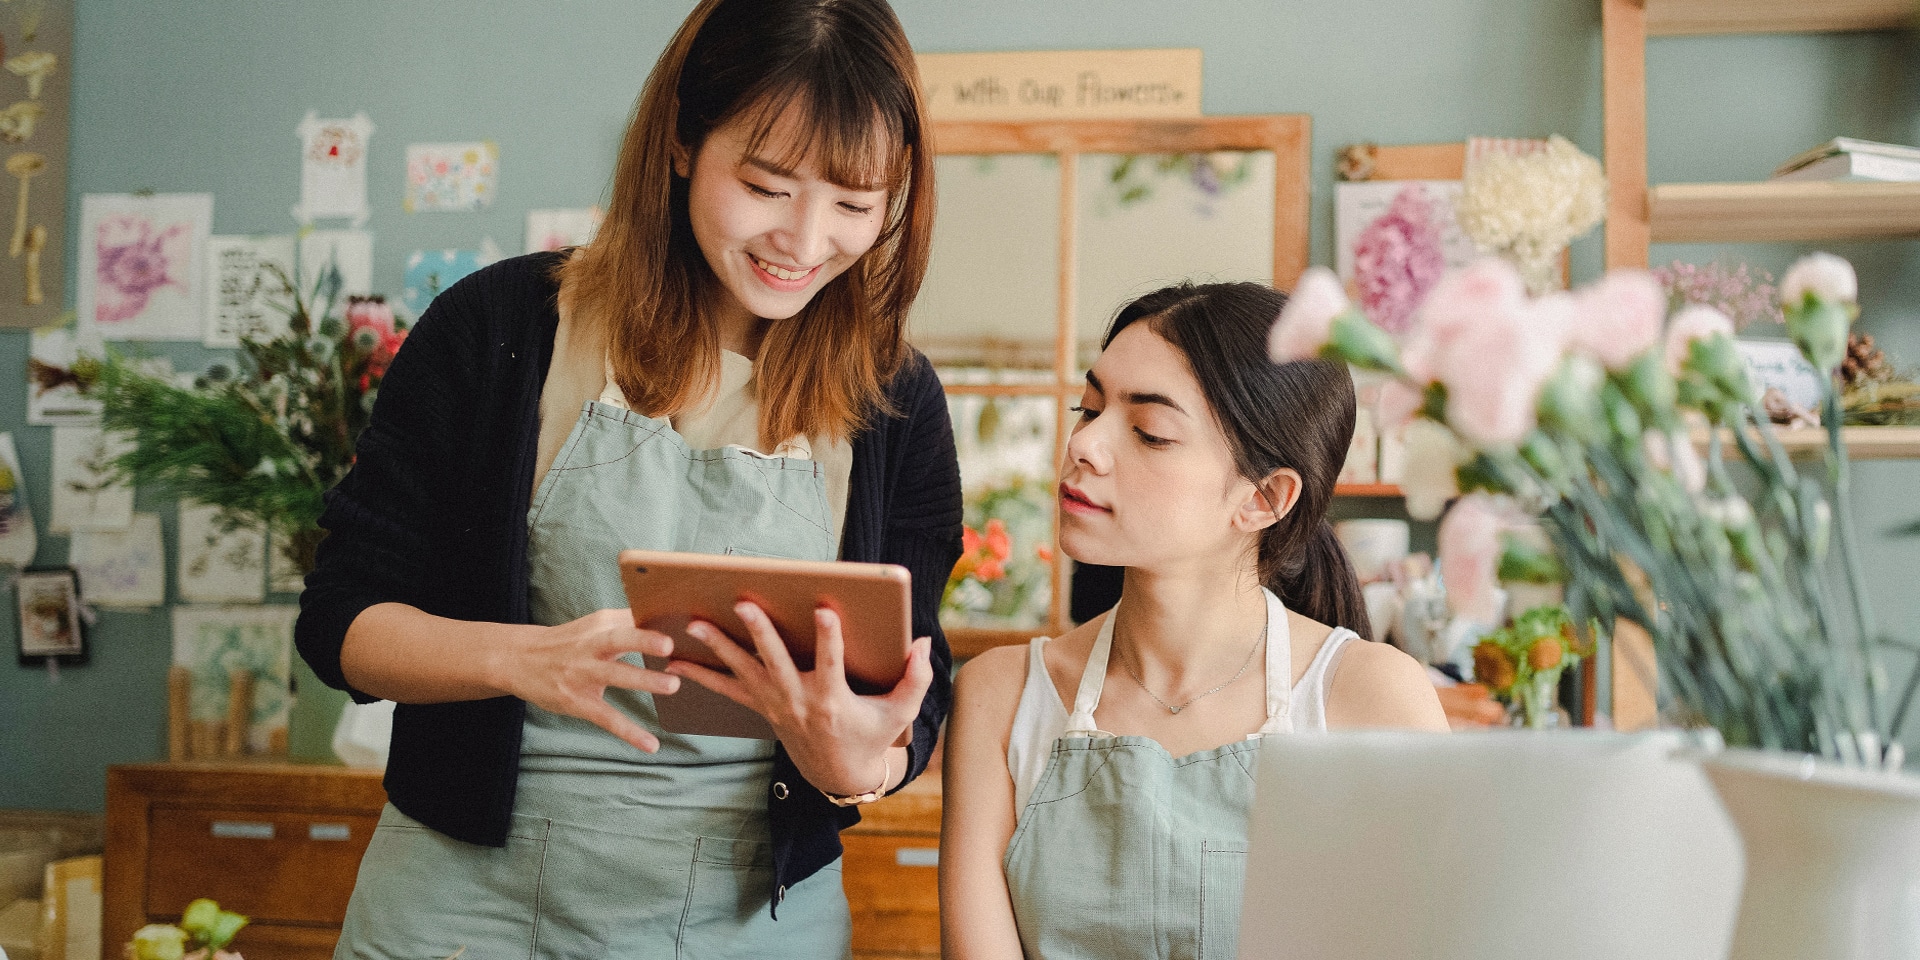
{"x": 430, "y": 272}
{"x": 122, "y": 568}
{"x": 18, "y": 540}
{"x": 348, "y": 251}
{"x": 1389, "y": 235}
{"x": 549, "y": 230}
{"x": 86, "y": 495}
{"x": 215, "y": 642}
{"x": 34, "y": 120}
{"x": 142, "y": 261}
{"x": 49, "y": 614}
{"x": 333, "y": 168}
{"x": 55, "y": 394}
{"x": 246, "y": 291}
{"x": 218, "y": 564}
{"x": 445, "y": 177}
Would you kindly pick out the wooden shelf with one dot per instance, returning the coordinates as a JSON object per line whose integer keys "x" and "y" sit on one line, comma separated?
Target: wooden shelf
{"x": 1693, "y": 17}
{"x": 973, "y": 641}
{"x": 1777, "y": 211}
{"x": 1367, "y": 490}
{"x": 1863, "y": 443}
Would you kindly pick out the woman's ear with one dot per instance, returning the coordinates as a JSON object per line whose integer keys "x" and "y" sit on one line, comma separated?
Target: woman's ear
{"x": 1271, "y": 499}
{"x": 682, "y": 161}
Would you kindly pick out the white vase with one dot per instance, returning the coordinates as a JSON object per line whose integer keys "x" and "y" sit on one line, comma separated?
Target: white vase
{"x": 1833, "y": 857}
{"x": 1507, "y": 845}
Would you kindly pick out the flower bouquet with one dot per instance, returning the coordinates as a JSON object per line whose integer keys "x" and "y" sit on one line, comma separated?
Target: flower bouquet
{"x": 266, "y": 443}
{"x": 1521, "y": 663}
{"x": 1587, "y": 411}
{"x": 994, "y": 583}
{"x": 203, "y": 933}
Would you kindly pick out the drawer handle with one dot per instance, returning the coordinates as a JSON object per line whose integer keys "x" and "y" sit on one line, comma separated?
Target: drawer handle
{"x": 329, "y": 831}
{"x": 917, "y": 856}
{"x": 242, "y": 830}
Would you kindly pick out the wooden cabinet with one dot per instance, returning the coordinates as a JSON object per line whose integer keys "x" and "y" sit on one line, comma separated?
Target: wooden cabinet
{"x": 280, "y": 843}
{"x": 891, "y": 873}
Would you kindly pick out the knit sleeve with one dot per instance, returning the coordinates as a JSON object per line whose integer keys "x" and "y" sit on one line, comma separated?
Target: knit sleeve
{"x": 387, "y": 520}
{"x": 923, "y": 535}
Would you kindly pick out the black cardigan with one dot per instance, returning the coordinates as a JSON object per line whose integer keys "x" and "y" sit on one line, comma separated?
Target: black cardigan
{"x": 434, "y": 515}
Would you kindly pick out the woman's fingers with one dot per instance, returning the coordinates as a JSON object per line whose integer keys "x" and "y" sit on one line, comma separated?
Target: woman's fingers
{"x": 767, "y": 640}
{"x": 619, "y": 673}
{"x": 903, "y": 701}
{"x": 829, "y": 648}
{"x": 602, "y": 714}
{"x": 720, "y": 683}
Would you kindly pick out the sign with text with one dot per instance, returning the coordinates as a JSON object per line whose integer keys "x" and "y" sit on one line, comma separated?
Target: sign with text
{"x": 1062, "y": 84}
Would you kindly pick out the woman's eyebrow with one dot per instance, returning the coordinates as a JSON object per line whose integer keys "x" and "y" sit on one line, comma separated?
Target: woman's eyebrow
{"x": 762, "y": 163}
{"x": 1138, "y": 396}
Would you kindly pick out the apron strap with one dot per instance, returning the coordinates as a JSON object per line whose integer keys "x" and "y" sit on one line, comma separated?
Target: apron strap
{"x": 796, "y": 447}
{"x": 1279, "y": 669}
{"x": 1092, "y": 681}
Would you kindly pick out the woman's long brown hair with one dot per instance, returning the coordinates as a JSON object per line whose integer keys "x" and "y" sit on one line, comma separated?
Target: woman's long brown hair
{"x": 842, "y": 73}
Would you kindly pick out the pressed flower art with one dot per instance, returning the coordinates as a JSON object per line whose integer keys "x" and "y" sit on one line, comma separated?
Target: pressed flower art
{"x": 1398, "y": 258}
{"x": 141, "y": 265}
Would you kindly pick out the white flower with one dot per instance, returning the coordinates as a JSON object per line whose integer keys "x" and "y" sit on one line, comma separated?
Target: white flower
{"x": 1822, "y": 274}
{"x": 1696, "y": 322}
{"x": 1305, "y": 324}
{"x": 1530, "y": 206}
{"x": 1433, "y": 454}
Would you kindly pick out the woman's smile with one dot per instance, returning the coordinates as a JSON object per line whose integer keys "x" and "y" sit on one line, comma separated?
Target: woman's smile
{"x": 783, "y": 279}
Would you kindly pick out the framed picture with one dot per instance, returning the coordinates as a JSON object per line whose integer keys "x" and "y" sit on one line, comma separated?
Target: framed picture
{"x": 49, "y": 604}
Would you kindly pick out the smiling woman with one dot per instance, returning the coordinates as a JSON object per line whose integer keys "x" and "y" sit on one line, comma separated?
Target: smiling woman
{"x": 722, "y": 370}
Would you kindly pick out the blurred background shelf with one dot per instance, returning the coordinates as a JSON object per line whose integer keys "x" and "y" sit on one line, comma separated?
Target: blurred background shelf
{"x": 1863, "y": 443}
{"x": 1366, "y": 490}
{"x": 1783, "y": 211}
{"x": 1685, "y": 17}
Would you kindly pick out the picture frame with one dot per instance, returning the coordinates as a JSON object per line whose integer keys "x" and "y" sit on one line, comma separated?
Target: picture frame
{"x": 48, "y": 606}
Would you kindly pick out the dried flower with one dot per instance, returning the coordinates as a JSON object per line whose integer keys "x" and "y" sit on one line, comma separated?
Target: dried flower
{"x": 1528, "y": 207}
{"x": 1398, "y": 258}
{"x": 1744, "y": 295}
{"x": 1492, "y": 666}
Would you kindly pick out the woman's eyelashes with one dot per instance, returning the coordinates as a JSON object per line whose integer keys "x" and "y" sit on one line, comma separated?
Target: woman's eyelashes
{"x": 1087, "y": 414}
{"x": 848, "y": 206}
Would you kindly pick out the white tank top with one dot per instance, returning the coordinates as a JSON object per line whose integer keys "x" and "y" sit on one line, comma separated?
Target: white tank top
{"x": 1041, "y": 717}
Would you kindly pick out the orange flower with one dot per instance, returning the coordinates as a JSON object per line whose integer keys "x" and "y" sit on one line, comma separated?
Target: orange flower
{"x": 1492, "y": 666}
{"x": 1044, "y": 552}
{"x": 969, "y": 541}
{"x": 998, "y": 540}
{"x": 1545, "y": 654}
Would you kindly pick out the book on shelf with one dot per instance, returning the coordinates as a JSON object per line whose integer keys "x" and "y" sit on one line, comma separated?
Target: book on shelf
{"x": 1857, "y": 166}
{"x": 1879, "y": 156}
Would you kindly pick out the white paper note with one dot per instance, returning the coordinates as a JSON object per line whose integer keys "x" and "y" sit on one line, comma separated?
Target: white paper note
{"x": 333, "y": 168}
{"x": 85, "y": 496}
{"x": 349, "y": 250}
{"x": 53, "y": 393}
{"x": 245, "y": 295}
{"x": 122, "y": 568}
{"x": 553, "y": 229}
{"x": 217, "y": 565}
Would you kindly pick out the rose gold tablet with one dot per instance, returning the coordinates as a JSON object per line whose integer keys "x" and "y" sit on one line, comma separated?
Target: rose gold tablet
{"x": 669, "y": 590}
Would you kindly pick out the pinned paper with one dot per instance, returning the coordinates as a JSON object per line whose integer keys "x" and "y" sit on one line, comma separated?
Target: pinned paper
{"x": 215, "y": 642}
{"x": 333, "y": 168}
{"x": 143, "y": 263}
{"x": 350, "y": 251}
{"x": 247, "y": 293}
{"x": 217, "y": 564}
{"x": 18, "y": 541}
{"x": 54, "y": 395}
{"x": 122, "y": 568}
{"x": 549, "y": 230}
{"x": 86, "y": 495}
{"x": 445, "y": 177}
{"x": 430, "y": 272}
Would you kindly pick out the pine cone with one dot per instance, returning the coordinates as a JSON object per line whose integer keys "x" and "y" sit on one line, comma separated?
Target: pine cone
{"x": 1864, "y": 362}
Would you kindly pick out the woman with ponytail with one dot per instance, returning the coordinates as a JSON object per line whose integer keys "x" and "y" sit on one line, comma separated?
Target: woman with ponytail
{"x": 1098, "y": 784}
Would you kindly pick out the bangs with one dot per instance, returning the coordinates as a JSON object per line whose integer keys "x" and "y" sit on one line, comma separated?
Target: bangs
{"x": 856, "y": 137}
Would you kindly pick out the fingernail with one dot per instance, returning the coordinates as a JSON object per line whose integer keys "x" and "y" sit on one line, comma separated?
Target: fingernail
{"x": 673, "y": 684}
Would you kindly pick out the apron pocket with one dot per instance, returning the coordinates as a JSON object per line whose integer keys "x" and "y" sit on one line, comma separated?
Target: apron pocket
{"x": 1223, "y": 880}
{"x": 728, "y": 913}
{"x": 421, "y": 893}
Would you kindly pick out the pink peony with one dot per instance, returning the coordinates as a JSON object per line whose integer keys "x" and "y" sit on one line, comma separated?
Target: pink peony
{"x": 1398, "y": 404}
{"x": 1398, "y": 259}
{"x": 1492, "y": 348}
{"x": 1618, "y": 317}
{"x": 1690, "y": 324}
{"x": 1305, "y": 324}
{"x": 1458, "y": 303}
{"x": 1470, "y": 557}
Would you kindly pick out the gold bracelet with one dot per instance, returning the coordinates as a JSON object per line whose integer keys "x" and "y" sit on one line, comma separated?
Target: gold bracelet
{"x": 870, "y": 796}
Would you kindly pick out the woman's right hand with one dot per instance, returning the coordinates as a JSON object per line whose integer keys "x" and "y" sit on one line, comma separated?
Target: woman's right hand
{"x": 568, "y": 669}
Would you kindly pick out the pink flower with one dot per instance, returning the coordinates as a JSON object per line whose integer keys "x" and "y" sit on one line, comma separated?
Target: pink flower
{"x": 1618, "y": 317}
{"x": 1470, "y": 557}
{"x": 370, "y": 312}
{"x": 1398, "y": 404}
{"x": 1305, "y": 324}
{"x": 132, "y": 262}
{"x": 1492, "y": 348}
{"x": 1397, "y": 260}
{"x": 1690, "y": 324}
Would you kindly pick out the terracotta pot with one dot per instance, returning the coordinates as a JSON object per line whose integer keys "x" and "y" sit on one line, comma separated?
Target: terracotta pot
{"x": 1833, "y": 857}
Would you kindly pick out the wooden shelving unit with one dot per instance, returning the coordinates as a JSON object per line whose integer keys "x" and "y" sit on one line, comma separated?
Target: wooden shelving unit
{"x": 1667, "y": 18}
{"x": 1367, "y": 490}
{"x": 1791, "y": 210}
{"x": 1863, "y": 443}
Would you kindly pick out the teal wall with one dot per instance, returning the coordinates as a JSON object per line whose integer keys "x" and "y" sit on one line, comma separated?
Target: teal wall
{"x": 203, "y": 95}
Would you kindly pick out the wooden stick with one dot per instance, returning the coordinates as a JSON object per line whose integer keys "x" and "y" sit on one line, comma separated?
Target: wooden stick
{"x": 179, "y": 702}
{"x": 239, "y": 712}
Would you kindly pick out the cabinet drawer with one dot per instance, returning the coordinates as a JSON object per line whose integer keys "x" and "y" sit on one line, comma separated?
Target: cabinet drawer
{"x": 893, "y": 888}
{"x": 272, "y": 866}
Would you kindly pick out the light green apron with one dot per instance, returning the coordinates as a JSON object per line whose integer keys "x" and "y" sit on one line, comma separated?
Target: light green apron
{"x": 612, "y": 852}
{"x": 1124, "y": 850}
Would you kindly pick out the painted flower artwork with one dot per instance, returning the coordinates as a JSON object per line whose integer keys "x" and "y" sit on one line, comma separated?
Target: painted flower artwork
{"x": 1398, "y": 258}
{"x": 135, "y": 258}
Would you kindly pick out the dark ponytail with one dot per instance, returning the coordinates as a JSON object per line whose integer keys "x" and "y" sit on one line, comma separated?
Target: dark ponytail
{"x": 1275, "y": 416}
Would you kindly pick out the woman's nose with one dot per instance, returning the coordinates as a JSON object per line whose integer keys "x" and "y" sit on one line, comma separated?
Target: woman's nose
{"x": 806, "y": 237}
{"x": 1088, "y": 447}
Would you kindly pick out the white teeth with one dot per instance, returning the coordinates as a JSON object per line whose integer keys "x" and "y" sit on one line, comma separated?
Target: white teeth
{"x": 776, "y": 271}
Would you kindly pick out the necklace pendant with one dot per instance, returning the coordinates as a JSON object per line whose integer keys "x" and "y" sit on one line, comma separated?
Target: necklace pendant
{"x": 1174, "y": 709}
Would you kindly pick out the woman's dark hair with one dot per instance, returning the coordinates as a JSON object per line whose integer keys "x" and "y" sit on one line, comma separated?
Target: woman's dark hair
{"x": 1298, "y": 415}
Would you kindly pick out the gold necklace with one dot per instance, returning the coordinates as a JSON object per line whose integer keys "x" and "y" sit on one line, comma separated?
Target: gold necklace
{"x": 1126, "y": 660}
